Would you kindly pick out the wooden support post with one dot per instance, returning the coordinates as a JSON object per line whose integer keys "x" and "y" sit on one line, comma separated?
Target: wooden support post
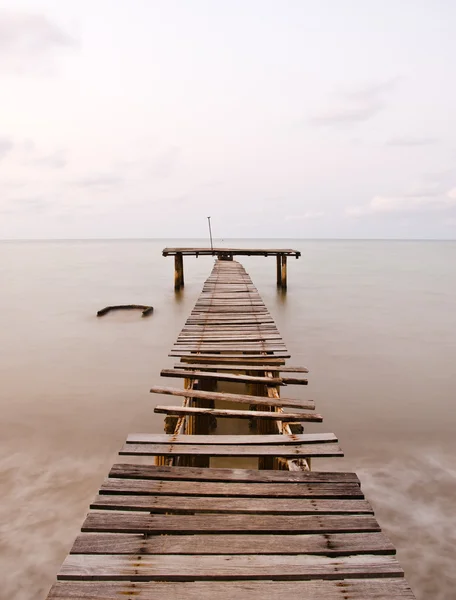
{"x": 284, "y": 271}
{"x": 279, "y": 270}
{"x": 178, "y": 271}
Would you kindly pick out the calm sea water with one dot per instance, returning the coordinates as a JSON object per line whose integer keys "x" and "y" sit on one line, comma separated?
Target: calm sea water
{"x": 374, "y": 321}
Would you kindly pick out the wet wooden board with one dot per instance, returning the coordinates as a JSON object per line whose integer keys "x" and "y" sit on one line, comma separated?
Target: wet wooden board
{"x": 227, "y": 504}
{"x": 163, "y": 438}
{"x": 240, "y": 414}
{"x": 236, "y": 398}
{"x": 331, "y": 544}
{"x": 138, "y": 522}
{"x": 230, "y": 475}
{"x": 346, "y": 589}
{"x": 125, "y": 486}
{"x": 245, "y": 450}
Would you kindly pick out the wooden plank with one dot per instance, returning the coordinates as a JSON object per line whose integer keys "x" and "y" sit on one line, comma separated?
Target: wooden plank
{"x": 138, "y": 522}
{"x": 230, "y": 475}
{"x": 235, "y": 567}
{"x": 163, "y": 438}
{"x": 230, "y": 377}
{"x": 202, "y": 346}
{"x": 154, "y": 487}
{"x": 237, "y": 398}
{"x": 240, "y": 367}
{"x": 348, "y": 589}
{"x": 233, "y": 251}
{"x": 247, "y": 450}
{"x": 331, "y": 544}
{"x": 240, "y": 414}
{"x": 219, "y": 338}
{"x": 272, "y": 359}
{"x": 214, "y": 504}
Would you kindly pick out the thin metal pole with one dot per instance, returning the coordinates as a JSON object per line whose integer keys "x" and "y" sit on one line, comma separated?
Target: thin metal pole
{"x": 210, "y": 233}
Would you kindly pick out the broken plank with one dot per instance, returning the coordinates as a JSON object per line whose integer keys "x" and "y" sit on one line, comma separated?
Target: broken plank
{"x": 240, "y": 414}
{"x": 231, "y": 377}
{"x": 237, "y": 398}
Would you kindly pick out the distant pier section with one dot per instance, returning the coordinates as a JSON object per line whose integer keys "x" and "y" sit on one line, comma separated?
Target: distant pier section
{"x": 281, "y": 255}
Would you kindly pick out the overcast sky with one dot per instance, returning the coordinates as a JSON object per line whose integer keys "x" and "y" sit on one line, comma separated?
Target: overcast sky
{"x": 278, "y": 118}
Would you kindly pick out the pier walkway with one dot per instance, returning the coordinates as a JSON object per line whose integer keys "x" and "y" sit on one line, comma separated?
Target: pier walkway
{"x": 172, "y": 524}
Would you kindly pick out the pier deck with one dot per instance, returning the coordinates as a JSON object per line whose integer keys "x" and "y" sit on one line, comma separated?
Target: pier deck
{"x": 176, "y": 526}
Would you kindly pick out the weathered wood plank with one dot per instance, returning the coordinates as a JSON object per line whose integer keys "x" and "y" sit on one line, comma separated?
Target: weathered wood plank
{"x": 230, "y": 475}
{"x": 163, "y": 438}
{"x": 331, "y": 544}
{"x": 138, "y": 522}
{"x": 221, "y": 377}
{"x": 348, "y": 589}
{"x": 240, "y": 367}
{"x": 233, "y": 378}
{"x": 246, "y": 359}
{"x": 247, "y": 450}
{"x": 153, "y": 487}
{"x": 226, "y": 347}
{"x": 273, "y": 359}
{"x": 214, "y": 504}
{"x": 235, "y": 567}
{"x": 240, "y": 414}
{"x": 236, "y": 398}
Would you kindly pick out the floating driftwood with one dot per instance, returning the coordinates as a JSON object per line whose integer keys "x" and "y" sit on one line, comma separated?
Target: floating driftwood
{"x": 146, "y": 310}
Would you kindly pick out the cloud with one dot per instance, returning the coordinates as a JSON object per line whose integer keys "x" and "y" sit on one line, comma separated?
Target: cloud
{"x": 356, "y": 106}
{"x": 307, "y": 216}
{"x": 6, "y": 145}
{"x": 99, "y": 180}
{"x": 31, "y": 204}
{"x": 28, "y": 41}
{"x": 165, "y": 163}
{"x": 405, "y": 204}
{"x": 411, "y": 141}
{"x": 54, "y": 160}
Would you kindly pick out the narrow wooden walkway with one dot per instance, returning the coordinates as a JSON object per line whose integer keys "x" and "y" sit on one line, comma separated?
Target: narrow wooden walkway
{"x": 181, "y": 528}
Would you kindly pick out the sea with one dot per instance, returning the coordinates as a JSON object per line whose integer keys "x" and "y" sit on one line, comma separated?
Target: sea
{"x": 374, "y": 321}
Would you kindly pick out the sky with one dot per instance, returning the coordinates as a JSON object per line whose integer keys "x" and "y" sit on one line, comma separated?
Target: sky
{"x": 277, "y": 118}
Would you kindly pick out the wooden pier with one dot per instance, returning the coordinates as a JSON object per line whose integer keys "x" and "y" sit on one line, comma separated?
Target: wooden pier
{"x": 172, "y": 524}
{"x": 281, "y": 255}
